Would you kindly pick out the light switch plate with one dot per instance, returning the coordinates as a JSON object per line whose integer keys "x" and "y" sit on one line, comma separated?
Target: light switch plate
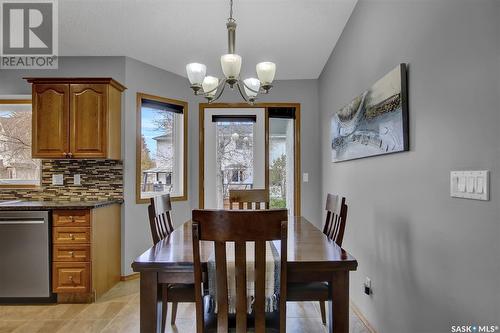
{"x": 470, "y": 184}
{"x": 77, "y": 179}
{"x": 305, "y": 177}
{"x": 57, "y": 179}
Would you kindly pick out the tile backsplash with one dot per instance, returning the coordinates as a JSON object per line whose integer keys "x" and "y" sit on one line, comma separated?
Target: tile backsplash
{"x": 100, "y": 180}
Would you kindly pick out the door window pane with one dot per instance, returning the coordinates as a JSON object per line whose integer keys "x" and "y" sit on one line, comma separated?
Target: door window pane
{"x": 234, "y": 159}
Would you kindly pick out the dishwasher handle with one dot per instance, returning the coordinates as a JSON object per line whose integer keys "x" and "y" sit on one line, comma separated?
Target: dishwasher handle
{"x": 22, "y": 222}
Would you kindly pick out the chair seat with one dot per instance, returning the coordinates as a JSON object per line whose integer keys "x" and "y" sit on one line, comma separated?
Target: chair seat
{"x": 179, "y": 292}
{"x": 313, "y": 291}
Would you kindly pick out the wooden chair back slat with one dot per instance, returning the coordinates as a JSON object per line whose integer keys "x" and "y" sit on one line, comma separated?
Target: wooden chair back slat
{"x": 260, "y": 287}
{"x": 160, "y": 220}
{"x": 241, "y": 286}
{"x": 221, "y": 282}
{"x": 336, "y": 218}
{"x": 239, "y": 226}
{"x": 198, "y": 290}
{"x": 250, "y": 197}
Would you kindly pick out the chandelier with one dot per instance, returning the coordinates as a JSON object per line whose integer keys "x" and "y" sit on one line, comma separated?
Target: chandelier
{"x": 212, "y": 88}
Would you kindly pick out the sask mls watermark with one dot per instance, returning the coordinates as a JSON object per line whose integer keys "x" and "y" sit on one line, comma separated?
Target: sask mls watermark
{"x": 29, "y": 34}
{"x": 474, "y": 328}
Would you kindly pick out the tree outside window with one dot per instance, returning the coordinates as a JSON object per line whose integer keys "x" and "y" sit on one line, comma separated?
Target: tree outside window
{"x": 17, "y": 168}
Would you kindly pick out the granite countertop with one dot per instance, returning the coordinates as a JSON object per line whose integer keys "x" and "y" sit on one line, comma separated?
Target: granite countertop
{"x": 42, "y": 205}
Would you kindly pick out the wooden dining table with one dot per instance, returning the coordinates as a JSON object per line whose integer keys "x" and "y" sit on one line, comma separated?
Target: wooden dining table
{"x": 312, "y": 257}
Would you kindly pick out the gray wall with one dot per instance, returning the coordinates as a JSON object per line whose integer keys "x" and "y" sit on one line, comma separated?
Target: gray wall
{"x": 433, "y": 260}
{"x": 140, "y": 77}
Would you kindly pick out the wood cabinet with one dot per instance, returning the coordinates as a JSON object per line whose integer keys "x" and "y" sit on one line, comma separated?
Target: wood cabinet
{"x": 76, "y": 118}
{"x": 50, "y": 136}
{"x": 86, "y": 253}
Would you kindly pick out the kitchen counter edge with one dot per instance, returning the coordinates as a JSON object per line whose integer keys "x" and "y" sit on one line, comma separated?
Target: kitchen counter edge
{"x": 54, "y": 205}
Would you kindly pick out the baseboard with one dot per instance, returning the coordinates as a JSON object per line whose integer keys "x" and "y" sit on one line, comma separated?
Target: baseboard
{"x": 129, "y": 277}
{"x": 361, "y": 317}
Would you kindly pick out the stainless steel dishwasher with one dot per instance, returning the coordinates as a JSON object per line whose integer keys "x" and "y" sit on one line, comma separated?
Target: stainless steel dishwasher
{"x": 25, "y": 257}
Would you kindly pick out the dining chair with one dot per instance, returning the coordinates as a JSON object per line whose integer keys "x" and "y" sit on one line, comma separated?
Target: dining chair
{"x": 238, "y": 226}
{"x": 252, "y": 198}
{"x": 336, "y": 218}
{"x": 160, "y": 221}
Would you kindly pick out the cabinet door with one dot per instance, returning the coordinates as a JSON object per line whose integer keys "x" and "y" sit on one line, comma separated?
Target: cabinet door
{"x": 88, "y": 120}
{"x": 50, "y": 120}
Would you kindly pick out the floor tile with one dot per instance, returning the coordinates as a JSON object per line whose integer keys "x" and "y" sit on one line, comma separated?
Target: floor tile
{"x": 61, "y": 311}
{"x": 309, "y": 325}
{"x": 83, "y": 326}
{"x": 302, "y": 310}
{"x": 41, "y": 326}
{"x": 8, "y": 326}
{"x": 21, "y": 312}
{"x": 105, "y": 310}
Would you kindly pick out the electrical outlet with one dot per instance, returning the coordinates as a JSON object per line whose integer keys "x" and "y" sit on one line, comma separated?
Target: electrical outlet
{"x": 77, "y": 179}
{"x": 57, "y": 179}
{"x": 368, "y": 286}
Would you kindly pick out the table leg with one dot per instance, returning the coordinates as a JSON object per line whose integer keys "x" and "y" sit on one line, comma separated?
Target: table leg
{"x": 339, "y": 305}
{"x": 151, "y": 305}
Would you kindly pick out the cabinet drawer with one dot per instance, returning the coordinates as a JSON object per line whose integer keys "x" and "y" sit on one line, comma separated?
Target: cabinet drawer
{"x": 68, "y": 235}
{"x": 71, "y": 218}
{"x": 74, "y": 253}
{"x": 70, "y": 277}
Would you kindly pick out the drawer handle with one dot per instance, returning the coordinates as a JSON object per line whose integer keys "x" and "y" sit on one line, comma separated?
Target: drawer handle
{"x": 71, "y": 253}
{"x": 71, "y": 218}
{"x": 72, "y": 236}
{"x": 70, "y": 278}
{"x": 70, "y": 155}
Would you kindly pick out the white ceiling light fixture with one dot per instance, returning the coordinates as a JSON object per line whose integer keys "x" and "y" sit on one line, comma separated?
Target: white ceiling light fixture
{"x": 212, "y": 88}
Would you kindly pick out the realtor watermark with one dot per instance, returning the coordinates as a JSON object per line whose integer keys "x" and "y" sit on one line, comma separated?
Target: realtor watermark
{"x": 28, "y": 34}
{"x": 474, "y": 328}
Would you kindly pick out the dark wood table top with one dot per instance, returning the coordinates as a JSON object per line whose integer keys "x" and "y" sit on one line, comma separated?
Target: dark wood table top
{"x": 306, "y": 245}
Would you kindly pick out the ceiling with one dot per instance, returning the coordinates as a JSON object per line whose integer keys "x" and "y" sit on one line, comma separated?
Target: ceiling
{"x": 298, "y": 35}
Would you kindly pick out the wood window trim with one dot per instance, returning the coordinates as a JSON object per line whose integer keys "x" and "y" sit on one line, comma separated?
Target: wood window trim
{"x": 24, "y": 186}
{"x": 184, "y": 105}
{"x": 265, "y": 106}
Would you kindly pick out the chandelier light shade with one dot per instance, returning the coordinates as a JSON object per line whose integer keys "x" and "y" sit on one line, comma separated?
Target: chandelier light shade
{"x": 209, "y": 85}
{"x": 196, "y": 73}
{"x": 265, "y": 72}
{"x": 252, "y": 86}
{"x": 212, "y": 88}
{"x": 231, "y": 65}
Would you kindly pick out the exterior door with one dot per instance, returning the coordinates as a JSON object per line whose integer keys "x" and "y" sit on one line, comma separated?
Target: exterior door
{"x": 88, "y": 120}
{"x": 234, "y": 150}
{"x": 50, "y": 121}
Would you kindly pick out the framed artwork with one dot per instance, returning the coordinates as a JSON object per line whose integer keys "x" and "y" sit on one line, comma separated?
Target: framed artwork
{"x": 375, "y": 122}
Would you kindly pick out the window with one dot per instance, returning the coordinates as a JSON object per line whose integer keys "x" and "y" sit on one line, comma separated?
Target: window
{"x": 17, "y": 168}
{"x": 161, "y": 148}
